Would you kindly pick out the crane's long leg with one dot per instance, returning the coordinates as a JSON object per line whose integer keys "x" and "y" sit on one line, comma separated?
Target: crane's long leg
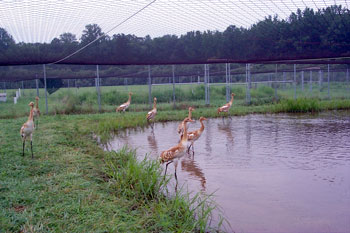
{"x": 166, "y": 167}
{"x": 175, "y": 170}
{"x": 24, "y": 142}
{"x": 31, "y": 148}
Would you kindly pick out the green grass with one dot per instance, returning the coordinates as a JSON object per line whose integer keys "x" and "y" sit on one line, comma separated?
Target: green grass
{"x": 72, "y": 185}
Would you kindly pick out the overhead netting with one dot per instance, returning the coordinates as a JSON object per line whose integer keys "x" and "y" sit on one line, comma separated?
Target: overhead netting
{"x": 167, "y": 32}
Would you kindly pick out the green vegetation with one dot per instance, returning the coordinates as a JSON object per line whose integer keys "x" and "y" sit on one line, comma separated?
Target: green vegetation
{"x": 72, "y": 185}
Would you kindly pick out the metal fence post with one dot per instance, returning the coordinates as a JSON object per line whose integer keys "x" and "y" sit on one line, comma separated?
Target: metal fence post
{"x": 328, "y": 77}
{"x": 229, "y": 76}
{"x": 47, "y": 107}
{"x": 295, "y": 81}
{"x": 173, "y": 68}
{"x": 320, "y": 79}
{"x": 347, "y": 78}
{"x": 149, "y": 87}
{"x": 205, "y": 83}
{"x": 310, "y": 81}
{"x": 284, "y": 80}
{"x": 208, "y": 84}
{"x": 302, "y": 81}
{"x": 98, "y": 88}
{"x": 248, "y": 98}
{"x": 37, "y": 87}
{"x": 227, "y": 85}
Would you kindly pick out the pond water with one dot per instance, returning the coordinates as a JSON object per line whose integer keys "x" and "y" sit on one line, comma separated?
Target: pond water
{"x": 270, "y": 173}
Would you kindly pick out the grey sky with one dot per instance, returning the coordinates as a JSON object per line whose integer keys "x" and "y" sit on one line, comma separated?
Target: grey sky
{"x": 41, "y": 21}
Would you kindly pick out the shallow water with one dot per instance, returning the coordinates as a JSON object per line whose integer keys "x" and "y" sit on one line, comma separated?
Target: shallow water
{"x": 270, "y": 173}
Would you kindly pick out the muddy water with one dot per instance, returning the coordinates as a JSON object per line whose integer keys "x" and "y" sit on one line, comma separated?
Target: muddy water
{"x": 270, "y": 173}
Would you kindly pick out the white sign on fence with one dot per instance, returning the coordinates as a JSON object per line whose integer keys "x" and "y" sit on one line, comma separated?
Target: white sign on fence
{"x": 3, "y": 97}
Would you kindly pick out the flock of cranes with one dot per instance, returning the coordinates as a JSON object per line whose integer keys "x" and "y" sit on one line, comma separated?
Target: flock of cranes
{"x": 171, "y": 155}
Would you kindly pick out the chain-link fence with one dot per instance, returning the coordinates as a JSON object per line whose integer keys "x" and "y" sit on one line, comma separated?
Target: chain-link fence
{"x": 85, "y": 89}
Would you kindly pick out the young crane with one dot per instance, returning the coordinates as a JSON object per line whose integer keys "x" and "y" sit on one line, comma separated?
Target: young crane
{"x": 194, "y": 135}
{"x": 124, "y": 106}
{"x": 227, "y": 106}
{"x": 27, "y": 129}
{"x": 176, "y": 152}
{"x": 152, "y": 114}
{"x": 180, "y": 128}
{"x": 36, "y": 112}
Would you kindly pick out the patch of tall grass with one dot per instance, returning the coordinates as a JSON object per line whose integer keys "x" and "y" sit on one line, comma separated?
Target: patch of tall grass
{"x": 143, "y": 181}
{"x": 302, "y": 105}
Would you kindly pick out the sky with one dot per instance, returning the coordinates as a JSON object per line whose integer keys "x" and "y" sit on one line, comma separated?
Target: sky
{"x": 41, "y": 21}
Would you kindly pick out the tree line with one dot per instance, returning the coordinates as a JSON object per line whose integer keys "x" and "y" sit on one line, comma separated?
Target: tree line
{"x": 304, "y": 34}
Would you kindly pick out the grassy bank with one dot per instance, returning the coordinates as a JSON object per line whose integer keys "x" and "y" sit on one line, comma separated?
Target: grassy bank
{"x": 72, "y": 185}
{"x": 84, "y": 100}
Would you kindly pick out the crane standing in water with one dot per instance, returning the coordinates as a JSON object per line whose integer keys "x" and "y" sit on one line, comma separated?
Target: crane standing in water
{"x": 194, "y": 135}
{"x": 176, "y": 152}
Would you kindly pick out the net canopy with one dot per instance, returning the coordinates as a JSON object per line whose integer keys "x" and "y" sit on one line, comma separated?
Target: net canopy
{"x": 161, "y": 32}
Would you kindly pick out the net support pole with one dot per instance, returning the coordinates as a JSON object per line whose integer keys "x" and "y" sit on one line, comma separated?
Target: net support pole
{"x": 328, "y": 79}
{"x": 229, "y": 76}
{"x": 149, "y": 87}
{"x": 248, "y": 83}
{"x": 295, "y": 81}
{"x": 310, "y": 81}
{"x": 227, "y": 85}
{"x": 284, "y": 80}
{"x": 347, "y": 78}
{"x": 37, "y": 87}
{"x": 205, "y": 84}
{"x": 302, "y": 80}
{"x": 319, "y": 79}
{"x": 173, "y": 69}
{"x": 46, "y": 104}
{"x": 207, "y": 80}
{"x": 98, "y": 88}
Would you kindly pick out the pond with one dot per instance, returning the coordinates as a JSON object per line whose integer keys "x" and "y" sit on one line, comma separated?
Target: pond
{"x": 270, "y": 173}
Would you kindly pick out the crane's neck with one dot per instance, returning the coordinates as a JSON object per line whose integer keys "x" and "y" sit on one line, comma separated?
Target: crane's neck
{"x": 231, "y": 101}
{"x": 202, "y": 126}
{"x": 184, "y": 137}
{"x": 30, "y": 118}
{"x": 190, "y": 113}
{"x": 129, "y": 100}
{"x": 36, "y": 103}
{"x": 154, "y": 104}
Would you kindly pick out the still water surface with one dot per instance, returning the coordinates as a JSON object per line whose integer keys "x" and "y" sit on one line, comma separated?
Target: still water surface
{"x": 270, "y": 173}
